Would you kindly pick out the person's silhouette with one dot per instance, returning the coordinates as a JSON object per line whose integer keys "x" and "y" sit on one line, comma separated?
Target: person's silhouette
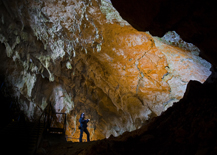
{"x": 83, "y": 127}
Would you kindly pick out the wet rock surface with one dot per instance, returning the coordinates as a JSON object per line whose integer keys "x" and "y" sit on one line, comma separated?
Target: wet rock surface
{"x": 83, "y": 57}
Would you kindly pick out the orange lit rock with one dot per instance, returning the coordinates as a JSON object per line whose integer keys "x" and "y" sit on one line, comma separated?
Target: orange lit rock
{"x": 85, "y": 58}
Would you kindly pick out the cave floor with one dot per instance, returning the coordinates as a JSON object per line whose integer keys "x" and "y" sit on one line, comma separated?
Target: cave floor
{"x": 65, "y": 148}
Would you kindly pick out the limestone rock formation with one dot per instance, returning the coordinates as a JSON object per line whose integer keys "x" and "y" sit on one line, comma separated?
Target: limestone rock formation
{"x": 83, "y": 57}
{"x": 188, "y": 127}
{"x": 195, "y": 21}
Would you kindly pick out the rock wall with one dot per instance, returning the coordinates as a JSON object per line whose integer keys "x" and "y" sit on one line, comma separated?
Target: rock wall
{"x": 83, "y": 57}
{"x": 195, "y": 21}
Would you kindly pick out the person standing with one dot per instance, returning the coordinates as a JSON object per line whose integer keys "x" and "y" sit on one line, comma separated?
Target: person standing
{"x": 83, "y": 127}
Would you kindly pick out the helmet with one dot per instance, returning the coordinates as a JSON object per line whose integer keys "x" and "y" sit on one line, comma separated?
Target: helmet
{"x": 82, "y": 115}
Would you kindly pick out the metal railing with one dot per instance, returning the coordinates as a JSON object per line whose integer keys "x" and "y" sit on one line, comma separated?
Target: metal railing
{"x": 46, "y": 122}
{"x": 64, "y": 125}
{"x": 46, "y": 118}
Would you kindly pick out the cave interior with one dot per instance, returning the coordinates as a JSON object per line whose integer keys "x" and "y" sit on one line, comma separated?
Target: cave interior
{"x": 188, "y": 126}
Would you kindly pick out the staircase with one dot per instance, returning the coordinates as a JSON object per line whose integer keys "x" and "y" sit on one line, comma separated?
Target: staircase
{"x": 21, "y": 138}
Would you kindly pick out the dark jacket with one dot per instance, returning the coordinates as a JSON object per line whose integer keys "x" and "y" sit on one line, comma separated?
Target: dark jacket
{"x": 83, "y": 123}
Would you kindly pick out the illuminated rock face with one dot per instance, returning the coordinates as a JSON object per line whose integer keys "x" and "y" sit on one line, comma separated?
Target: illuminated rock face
{"x": 82, "y": 57}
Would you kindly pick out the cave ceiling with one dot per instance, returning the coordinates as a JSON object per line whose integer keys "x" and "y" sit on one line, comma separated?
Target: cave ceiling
{"x": 83, "y": 57}
{"x": 195, "y": 21}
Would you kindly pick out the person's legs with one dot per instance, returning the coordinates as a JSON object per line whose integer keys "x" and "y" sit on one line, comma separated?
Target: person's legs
{"x": 88, "y": 134}
{"x": 81, "y": 135}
